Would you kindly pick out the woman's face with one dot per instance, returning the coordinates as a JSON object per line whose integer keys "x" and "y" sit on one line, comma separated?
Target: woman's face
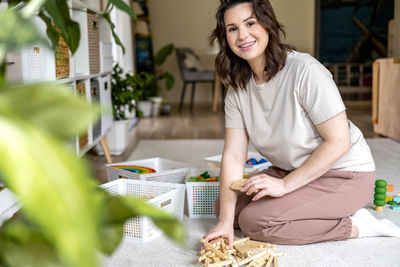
{"x": 246, "y": 37}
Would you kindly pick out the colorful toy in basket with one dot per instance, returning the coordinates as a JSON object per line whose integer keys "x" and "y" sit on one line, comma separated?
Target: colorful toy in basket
{"x": 253, "y": 161}
{"x": 136, "y": 169}
{"x": 151, "y": 169}
{"x": 204, "y": 177}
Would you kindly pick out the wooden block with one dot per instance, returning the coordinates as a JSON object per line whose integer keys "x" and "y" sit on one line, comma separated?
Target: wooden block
{"x": 221, "y": 263}
{"x": 216, "y": 251}
{"x": 216, "y": 259}
{"x": 237, "y": 185}
{"x": 204, "y": 256}
{"x": 276, "y": 261}
{"x": 217, "y": 242}
{"x": 258, "y": 244}
{"x": 256, "y": 262}
{"x": 244, "y": 261}
{"x": 269, "y": 261}
{"x": 278, "y": 254}
{"x": 250, "y": 246}
{"x": 237, "y": 241}
{"x": 261, "y": 263}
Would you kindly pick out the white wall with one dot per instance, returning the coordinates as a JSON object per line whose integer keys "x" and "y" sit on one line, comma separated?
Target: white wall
{"x": 298, "y": 17}
{"x": 189, "y": 23}
{"x": 123, "y": 28}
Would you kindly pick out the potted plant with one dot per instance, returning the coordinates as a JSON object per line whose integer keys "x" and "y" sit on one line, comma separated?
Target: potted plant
{"x": 149, "y": 84}
{"x": 124, "y": 99}
{"x": 142, "y": 84}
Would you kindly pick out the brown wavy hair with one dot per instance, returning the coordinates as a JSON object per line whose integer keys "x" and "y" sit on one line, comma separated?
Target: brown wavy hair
{"x": 235, "y": 71}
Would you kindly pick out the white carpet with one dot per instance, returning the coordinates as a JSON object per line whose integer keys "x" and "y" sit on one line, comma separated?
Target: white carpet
{"x": 380, "y": 251}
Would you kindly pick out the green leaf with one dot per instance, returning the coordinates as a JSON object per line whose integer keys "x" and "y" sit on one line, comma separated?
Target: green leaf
{"x": 168, "y": 79}
{"x": 16, "y": 31}
{"x": 121, "y": 5}
{"x": 52, "y": 107}
{"x": 162, "y": 54}
{"x": 59, "y": 12}
{"x": 54, "y": 188}
{"x": 51, "y": 32}
{"x": 23, "y": 244}
{"x": 107, "y": 17}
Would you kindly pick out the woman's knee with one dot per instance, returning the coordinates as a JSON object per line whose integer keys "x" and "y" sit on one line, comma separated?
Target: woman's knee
{"x": 250, "y": 222}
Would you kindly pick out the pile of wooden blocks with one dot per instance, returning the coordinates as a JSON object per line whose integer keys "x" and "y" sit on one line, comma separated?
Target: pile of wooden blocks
{"x": 253, "y": 253}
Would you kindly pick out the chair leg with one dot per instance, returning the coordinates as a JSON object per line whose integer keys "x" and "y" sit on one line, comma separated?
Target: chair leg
{"x": 182, "y": 96}
{"x": 192, "y": 100}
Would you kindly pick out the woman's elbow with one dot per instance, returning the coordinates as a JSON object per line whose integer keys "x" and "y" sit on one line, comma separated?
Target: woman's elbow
{"x": 345, "y": 144}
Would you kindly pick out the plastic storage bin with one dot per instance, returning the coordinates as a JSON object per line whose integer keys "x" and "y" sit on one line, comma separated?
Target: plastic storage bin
{"x": 168, "y": 197}
{"x": 215, "y": 162}
{"x": 201, "y": 195}
{"x": 166, "y": 170}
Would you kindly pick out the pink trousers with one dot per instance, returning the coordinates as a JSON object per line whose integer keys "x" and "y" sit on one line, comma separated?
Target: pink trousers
{"x": 316, "y": 212}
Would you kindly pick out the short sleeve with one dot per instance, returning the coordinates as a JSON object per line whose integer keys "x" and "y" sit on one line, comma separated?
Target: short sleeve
{"x": 233, "y": 115}
{"x": 319, "y": 94}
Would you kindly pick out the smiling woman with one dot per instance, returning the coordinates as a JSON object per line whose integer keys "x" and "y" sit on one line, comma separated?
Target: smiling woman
{"x": 288, "y": 106}
{"x": 244, "y": 26}
{"x": 247, "y": 38}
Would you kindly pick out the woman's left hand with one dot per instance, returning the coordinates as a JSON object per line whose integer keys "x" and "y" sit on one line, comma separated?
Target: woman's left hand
{"x": 264, "y": 185}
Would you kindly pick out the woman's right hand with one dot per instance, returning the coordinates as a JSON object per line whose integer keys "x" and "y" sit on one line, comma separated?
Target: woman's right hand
{"x": 221, "y": 229}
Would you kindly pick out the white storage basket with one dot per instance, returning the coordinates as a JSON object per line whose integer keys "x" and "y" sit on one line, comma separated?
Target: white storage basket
{"x": 168, "y": 197}
{"x": 215, "y": 162}
{"x": 201, "y": 195}
{"x": 166, "y": 170}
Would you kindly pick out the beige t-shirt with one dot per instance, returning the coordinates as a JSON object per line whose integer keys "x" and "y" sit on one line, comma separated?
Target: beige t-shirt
{"x": 280, "y": 115}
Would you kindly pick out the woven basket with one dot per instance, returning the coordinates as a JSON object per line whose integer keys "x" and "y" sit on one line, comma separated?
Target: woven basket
{"x": 94, "y": 45}
{"x": 81, "y": 91}
{"x": 62, "y": 59}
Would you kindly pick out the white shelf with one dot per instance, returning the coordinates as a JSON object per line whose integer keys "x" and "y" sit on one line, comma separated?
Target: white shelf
{"x": 37, "y": 63}
{"x": 9, "y": 205}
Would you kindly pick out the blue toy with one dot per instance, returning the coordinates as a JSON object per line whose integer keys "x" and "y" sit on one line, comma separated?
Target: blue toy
{"x": 251, "y": 161}
{"x": 262, "y": 161}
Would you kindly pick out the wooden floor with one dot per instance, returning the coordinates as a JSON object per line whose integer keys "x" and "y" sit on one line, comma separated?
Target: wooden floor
{"x": 204, "y": 124}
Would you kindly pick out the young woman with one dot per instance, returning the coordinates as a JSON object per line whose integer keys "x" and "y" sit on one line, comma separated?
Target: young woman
{"x": 288, "y": 106}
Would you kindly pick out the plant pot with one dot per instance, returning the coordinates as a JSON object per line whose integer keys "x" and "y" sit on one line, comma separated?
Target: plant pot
{"x": 145, "y": 106}
{"x": 117, "y": 138}
{"x": 157, "y": 100}
{"x": 130, "y": 114}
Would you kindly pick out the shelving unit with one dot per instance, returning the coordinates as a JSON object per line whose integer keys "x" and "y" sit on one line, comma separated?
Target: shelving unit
{"x": 89, "y": 68}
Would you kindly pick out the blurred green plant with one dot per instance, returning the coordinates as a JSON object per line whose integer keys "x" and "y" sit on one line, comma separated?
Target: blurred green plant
{"x": 149, "y": 83}
{"x": 123, "y": 95}
{"x": 65, "y": 218}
